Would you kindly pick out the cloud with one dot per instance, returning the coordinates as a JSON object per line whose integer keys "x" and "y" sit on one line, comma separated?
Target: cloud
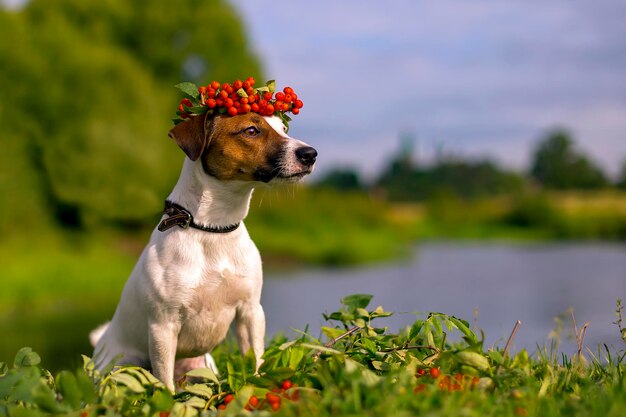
{"x": 486, "y": 77}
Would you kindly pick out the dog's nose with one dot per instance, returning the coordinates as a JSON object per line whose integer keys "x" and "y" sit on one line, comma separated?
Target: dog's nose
{"x": 306, "y": 155}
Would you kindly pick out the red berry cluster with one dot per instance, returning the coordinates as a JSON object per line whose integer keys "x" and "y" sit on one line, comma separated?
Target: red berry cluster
{"x": 458, "y": 382}
{"x": 240, "y": 97}
{"x": 273, "y": 399}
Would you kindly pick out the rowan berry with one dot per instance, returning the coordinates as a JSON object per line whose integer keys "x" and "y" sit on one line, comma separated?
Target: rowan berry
{"x": 251, "y": 80}
{"x": 224, "y": 94}
{"x": 298, "y": 104}
{"x": 237, "y": 84}
{"x": 275, "y": 406}
{"x": 269, "y": 109}
{"x": 288, "y": 98}
{"x": 267, "y": 96}
{"x": 295, "y": 111}
{"x": 244, "y": 100}
{"x": 272, "y": 398}
{"x": 228, "y": 102}
{"x": 444, "y": 384}
{"x": 254, "y": 401}
{"x": 419, "y": 388}
{"x": 232, "y": 111}
{"x": 202, "y": 90}
{"x": 186, "y": 102}
{"x": 279, "y": 106}
{"x": 211, "y": 92}
{"x": 520, "y": 411}
{"x": 211, "y": 103}
{"x": 286, "y": 384}
{"x": 180, "y": 107}
{"x": 228, "y": 398}
{"x": 458, "y": 377}
{"x": 252, "y": 98}
{"x": 434, "y": 372}
{"x": 245, "y": 108}
{"x": 280, "y": 96}
{"x": 421, "y": 371}
{"x": 255, "y": 107}
{"x": 221, "y": 407}
{"x": 288, "y": 90}
{"x": 215, "y": 85}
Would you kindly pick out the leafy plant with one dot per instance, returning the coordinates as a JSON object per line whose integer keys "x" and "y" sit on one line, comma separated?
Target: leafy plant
{"x": 357, "y": 369}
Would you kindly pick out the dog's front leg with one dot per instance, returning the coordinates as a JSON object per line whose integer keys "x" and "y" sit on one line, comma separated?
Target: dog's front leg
{"x": 163, "y": 338}
{"x": 251, "y": 330}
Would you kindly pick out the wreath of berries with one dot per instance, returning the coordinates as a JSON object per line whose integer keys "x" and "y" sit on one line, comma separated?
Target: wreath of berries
{"x": 240, "y": 97}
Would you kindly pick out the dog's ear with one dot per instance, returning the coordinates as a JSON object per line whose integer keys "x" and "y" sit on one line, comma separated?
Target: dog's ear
{"x": 191, "y": 135}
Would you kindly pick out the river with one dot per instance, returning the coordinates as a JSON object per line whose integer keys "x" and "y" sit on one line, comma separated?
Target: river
{"x": 533, "y": 282}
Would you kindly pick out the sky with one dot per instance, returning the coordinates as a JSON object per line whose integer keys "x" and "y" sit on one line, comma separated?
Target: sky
{"x": 480, "y": 78}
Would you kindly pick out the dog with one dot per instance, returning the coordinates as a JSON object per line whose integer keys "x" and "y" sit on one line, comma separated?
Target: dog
{"x": 200, "y": 270}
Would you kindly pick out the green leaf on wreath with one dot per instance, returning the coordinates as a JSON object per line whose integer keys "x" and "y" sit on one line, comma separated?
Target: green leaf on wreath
{"x": 189, "y": 89}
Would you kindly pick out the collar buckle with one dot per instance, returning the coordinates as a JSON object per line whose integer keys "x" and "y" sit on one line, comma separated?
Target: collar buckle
{"x": 178, "y": 216}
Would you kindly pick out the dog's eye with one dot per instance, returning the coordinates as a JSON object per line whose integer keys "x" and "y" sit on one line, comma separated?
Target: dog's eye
{"x": 251, "y": 131}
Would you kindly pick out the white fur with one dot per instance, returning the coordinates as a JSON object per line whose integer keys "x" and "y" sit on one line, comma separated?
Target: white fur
{"x": 189, "y": 285}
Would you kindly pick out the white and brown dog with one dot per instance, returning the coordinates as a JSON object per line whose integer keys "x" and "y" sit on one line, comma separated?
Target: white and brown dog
{"x": 192, "y": 281}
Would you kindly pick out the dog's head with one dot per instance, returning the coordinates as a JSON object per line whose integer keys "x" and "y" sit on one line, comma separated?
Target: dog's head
{"x": 247, "y": 147}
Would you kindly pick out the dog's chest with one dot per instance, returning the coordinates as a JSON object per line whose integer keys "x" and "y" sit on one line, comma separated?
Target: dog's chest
{"x": 210, "y": 309}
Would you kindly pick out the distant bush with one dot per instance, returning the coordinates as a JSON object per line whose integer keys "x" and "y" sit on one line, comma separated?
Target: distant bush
{"x": 558, "y": 165}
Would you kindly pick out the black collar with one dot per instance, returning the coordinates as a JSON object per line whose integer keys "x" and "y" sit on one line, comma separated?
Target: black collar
{"x": 180, "y": 216}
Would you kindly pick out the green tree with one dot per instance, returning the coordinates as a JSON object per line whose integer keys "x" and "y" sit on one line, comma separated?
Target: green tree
{"x": 557, "y": 164}
{"x": 342, "y": 179}
{"x": 621, "y": 181}
{"x": 87, "y": 98}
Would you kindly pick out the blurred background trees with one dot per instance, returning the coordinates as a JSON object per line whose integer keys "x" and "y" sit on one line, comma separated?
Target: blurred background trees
{"x": 87, "y": 95}
{"x": 558, "y": 165}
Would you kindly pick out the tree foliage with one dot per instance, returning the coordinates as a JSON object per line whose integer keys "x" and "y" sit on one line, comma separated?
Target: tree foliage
{"x": 405, "y": 181}
{"x": 558, "y": 165}
{"x": 87, "y": 98}
{"x": 342, "y": 179}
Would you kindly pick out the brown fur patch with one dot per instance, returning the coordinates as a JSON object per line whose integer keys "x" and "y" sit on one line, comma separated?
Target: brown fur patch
{"x": 233, "y": 154}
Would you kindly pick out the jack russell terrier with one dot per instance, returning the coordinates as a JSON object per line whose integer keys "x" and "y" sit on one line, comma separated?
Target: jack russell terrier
{"x": 192, "y": 281}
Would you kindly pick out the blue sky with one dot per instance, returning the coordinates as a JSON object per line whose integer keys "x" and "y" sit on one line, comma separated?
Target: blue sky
{"x": 474, "y": 78}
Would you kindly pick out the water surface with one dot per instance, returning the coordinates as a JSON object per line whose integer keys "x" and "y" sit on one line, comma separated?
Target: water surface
{"x": 533, "y": 283}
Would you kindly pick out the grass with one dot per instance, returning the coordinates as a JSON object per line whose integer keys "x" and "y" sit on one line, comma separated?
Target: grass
{"x": 326, "y": 227}
{"x": 597, "y": 215}
{"x": 53, "y": 281}
{"x": 352, "y": 369}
